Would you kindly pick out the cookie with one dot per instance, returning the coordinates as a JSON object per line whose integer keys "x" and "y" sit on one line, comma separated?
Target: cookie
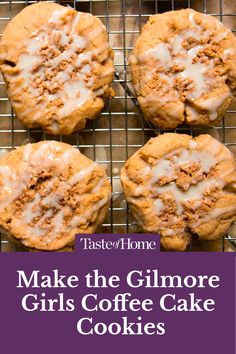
{"x": 183, "y": 68}
{"x": 181, "y": 187}
{"x": 49, "y": 192}
{"x": 57, "y": 65}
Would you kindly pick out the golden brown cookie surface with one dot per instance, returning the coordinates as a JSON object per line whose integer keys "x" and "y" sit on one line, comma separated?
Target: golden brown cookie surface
{"x": 57, "y": 65}
{"x": 184, "y": 69}
{"x": 49, "y": 192}
{"x": 178, "y": 186}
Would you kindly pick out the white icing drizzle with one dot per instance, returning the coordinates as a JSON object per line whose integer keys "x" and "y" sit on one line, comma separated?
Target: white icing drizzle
{"x": 146, "y": 170}
{"x": 53, "y": 198}
{"x": 196, "y": 204}
{"x": 192, "y": 144}
{"x": 83, "y": 219}
{"x": 184, "y": 59}
{"x": 228, "y": 53}
{"x": 191, "y": 112}
{"x": 194, "y": 191}
{"x": 56, "y": 17}
{"x": 75, "y": 81}
{"x": 221, "y": 35}
{"x": 173, "y": 54}
{"x": 165, "y": 167}
{"x": 107, "y": 72}
{"x": 9, "y": 186}
{"x": 170, "y": 164}
{"x": 187, "y": 156}
{"x": 195, "y": 72}
{"x": 78, "y": 177}
{"x": 27, "y": 152}
{"x": 192, "y": 19}
{"x": 58, "y": 222}
{"x": 169, "y": 232}
{"x": 212, "y": 104}
{"x": 214, "y": 214}
{"x": 139, "y": 190}
{"x": 99, "y": 185}
{"x": 158, "y": 206}
{"x": 160, "y": 52}
{"x": 12, "y": 186}
{"x": 227, "y": 172}
{"x": 31, "y": 211}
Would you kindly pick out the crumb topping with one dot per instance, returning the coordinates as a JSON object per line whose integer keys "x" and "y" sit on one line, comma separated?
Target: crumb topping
{"x": 49, "y": 200}
{"x": 187, "y": 67}
{"x": 183, "y": 187}
{"x": 58, "y": 69}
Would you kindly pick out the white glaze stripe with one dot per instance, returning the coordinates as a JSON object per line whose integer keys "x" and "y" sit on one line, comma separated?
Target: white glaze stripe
{"x": 13, "y": 184}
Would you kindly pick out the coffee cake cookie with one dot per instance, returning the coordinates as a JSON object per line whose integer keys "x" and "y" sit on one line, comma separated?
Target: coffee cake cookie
{"x": 179, "y": 186}
{"x": 184, "y": 69}
{"x": 57, "y": 65}
{"x": 49, "y": 192}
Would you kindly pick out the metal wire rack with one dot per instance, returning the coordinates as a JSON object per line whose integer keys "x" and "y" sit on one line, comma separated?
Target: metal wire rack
{"x": 120, "y": 129}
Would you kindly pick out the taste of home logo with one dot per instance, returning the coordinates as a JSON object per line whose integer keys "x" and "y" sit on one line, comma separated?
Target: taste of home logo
{"x": 123, "y": 243}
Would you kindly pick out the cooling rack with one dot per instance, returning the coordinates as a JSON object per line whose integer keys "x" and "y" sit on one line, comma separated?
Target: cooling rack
{"x": 120, "y": 129}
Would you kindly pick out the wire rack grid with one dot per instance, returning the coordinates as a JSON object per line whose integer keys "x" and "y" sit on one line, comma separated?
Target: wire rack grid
{"x": 120, "y": 129}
